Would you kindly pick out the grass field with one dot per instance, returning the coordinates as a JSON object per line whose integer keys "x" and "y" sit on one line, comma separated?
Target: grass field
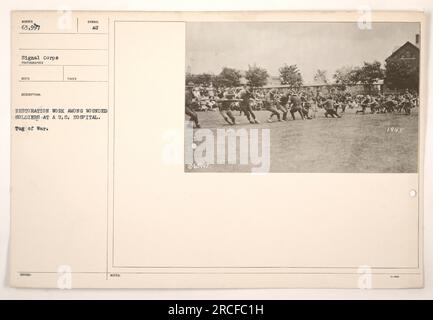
{"x": 353, "y": 143}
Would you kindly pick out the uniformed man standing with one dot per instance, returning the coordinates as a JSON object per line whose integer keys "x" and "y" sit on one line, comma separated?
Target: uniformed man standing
{"x": 224, "y": 101}
{"x": 190, "y": 103}
{"x": 245, "y": 104}
{"x": 282, "y": 103}
{"x": 268, "y": 103}
{"x": 296, "y": 106}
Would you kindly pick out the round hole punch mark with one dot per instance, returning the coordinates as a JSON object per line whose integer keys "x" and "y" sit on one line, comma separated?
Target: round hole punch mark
{"x": 193, "y": 146}
{"x": 412, "y": 193}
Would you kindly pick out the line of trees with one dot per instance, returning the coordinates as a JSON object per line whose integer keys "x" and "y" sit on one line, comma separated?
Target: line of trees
{"x": 367, "y": 74}
{"x": 228, "y": 77}
{"x": 399, "y": 74}
{"x": 255, "y": 76}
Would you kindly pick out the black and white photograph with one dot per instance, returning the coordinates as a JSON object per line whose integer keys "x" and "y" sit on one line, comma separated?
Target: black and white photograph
{"x": 319, "y": 97}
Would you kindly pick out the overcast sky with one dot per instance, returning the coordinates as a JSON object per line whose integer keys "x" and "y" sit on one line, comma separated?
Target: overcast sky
{"x": 210, "y": 46}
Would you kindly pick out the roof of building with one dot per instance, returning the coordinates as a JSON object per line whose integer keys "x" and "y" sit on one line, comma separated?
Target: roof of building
{"x": 406, "y": 45}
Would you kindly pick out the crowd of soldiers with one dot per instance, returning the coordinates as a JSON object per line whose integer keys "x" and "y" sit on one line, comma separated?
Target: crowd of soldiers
{"x": 282, "y": 101}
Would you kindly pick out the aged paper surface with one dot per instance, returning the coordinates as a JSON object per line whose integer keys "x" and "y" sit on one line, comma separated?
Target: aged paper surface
{"x": 119, "y": 179}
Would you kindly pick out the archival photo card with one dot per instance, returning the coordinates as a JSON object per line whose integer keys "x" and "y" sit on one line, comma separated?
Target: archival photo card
{"x": 127, "y": 127}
